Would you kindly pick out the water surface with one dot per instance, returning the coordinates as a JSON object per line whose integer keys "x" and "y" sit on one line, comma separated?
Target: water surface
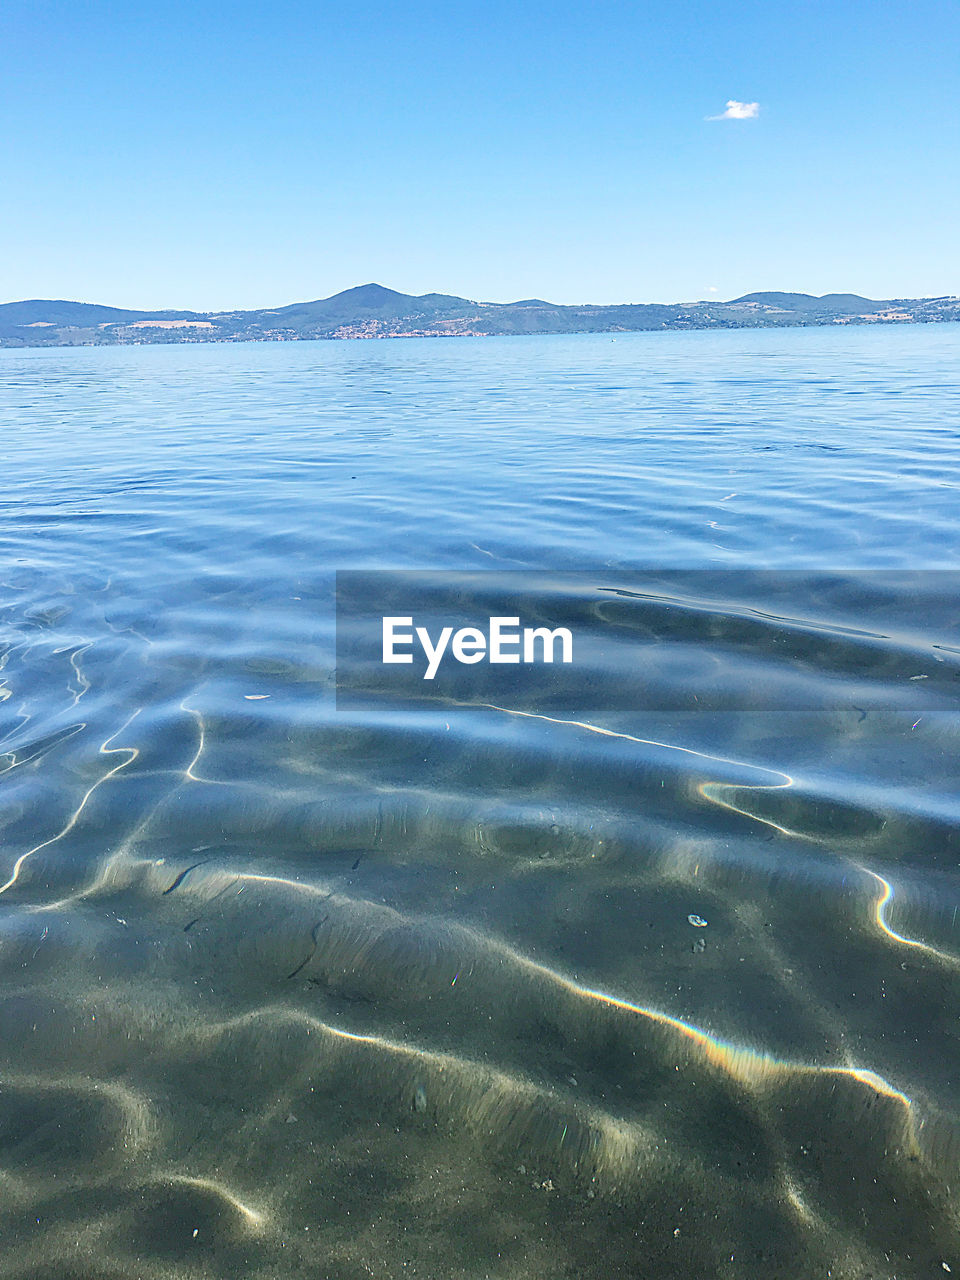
{"x": 422, "y": 986}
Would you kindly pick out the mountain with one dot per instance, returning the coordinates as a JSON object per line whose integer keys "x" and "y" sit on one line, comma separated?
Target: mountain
{"x": 367, "y": 302}
{"x": 847, "y": 304}
{"x": 38, "y": 311}
{"x": 373, "y": 311}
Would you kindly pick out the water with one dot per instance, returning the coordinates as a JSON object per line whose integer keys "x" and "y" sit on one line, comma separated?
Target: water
{"x": 416, "y": 984}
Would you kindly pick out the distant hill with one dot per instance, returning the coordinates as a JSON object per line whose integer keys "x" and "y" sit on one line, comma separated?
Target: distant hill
{"x": 806, "y": 304}
{"x": 367, "y": 302}
{"x": 38, "y": 311}
{"x": 373, "y": 311}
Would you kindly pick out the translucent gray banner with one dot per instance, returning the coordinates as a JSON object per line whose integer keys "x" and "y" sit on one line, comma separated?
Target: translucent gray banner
{"x": 689, "y": 640}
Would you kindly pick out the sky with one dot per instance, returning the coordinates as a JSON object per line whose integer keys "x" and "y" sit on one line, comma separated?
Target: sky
{"x": 237, "y": 154}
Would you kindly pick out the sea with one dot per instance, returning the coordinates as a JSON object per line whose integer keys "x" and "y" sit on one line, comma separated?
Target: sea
{"x": 643, "y": 962}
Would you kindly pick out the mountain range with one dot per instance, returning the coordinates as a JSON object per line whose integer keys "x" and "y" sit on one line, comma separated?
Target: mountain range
{"x": 372, "y": 311}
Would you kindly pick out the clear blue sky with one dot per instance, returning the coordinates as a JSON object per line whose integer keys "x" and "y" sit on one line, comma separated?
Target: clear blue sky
{"x": 216, "y": 155}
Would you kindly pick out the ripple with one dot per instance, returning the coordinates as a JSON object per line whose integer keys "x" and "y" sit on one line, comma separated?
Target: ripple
{"x": 292, "y": 985}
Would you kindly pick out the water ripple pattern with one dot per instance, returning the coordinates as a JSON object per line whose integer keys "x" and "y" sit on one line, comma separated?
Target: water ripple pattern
{"x": 648, "y": 967}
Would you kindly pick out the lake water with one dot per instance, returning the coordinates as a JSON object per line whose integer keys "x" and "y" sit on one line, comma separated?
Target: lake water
{"x": 646, "y": 965}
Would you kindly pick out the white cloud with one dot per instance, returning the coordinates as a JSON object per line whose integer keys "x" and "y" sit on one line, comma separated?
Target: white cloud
{"x": 739, "y": 111}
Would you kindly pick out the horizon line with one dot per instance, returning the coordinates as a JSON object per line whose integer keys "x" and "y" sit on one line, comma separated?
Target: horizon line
{"x": 715, "y": 301}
